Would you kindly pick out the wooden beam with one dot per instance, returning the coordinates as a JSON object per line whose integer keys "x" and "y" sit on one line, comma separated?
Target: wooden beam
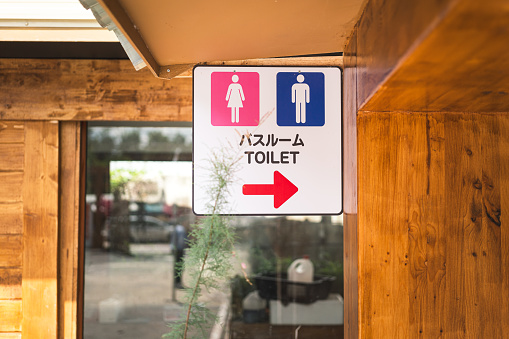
{"x": 175, "y": 71}
{"x": 186, "y": 71}
{"x": 104, "y": 90}
{"x": 441, "y": 56}
{"x": 296, "y": 61}
{"x": 382, "y": 44}
{"x": 88, "y": 90}
{"x": 319, "y": 61}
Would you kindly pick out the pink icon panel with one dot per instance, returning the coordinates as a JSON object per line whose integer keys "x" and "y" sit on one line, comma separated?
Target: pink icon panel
{"x": 235, "y": 99}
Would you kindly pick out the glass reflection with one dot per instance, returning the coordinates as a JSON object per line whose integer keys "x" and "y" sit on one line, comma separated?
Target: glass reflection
{"x": 139, "y": 191}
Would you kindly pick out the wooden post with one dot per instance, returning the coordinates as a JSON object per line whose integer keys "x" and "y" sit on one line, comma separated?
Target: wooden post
{"x": 40, "y": 230}
{"x": 432, "y": 164}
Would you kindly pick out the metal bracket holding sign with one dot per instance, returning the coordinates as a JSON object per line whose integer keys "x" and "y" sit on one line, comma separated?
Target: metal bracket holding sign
{"x": 283, "y": 125}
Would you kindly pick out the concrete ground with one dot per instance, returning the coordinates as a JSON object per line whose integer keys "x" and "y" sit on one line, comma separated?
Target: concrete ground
{"x": 130, "y": 297}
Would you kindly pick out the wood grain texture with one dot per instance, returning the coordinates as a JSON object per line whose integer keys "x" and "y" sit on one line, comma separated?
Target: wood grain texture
{"x": 80, "y": 90}
{"x": 11, "y": 251}
{"x": 81, "y": 231}
{"x": 487, "y": 253}
{"x": 69, "y": 198}
{"x": 172, "y": 71}
{"x": 350, "y": 127}
{"x": 293, "y": 61}
{"x": 10, "y": 283}
{"x": 504, "y": 219}
{"x": 11, "y": 218}
{"x": 432, "y": 260}
{"x": 382, "y": 282}
{"x": 387, "y": 31}
{"x": 461, "y": 65}
{"x": 11, "y": 131}
{"x": 350, "y": 259}
{"x": 10, "y": 315}
{"x": 11, "y": 157}
{"x": 40, "y": 230}
{"x": 11, "y": 226}
{"x": 10, "y": 188}
{"x": 350, "y": 276}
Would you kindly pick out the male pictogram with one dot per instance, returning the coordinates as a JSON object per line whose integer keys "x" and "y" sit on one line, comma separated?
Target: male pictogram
{"x": 300, "y": 97}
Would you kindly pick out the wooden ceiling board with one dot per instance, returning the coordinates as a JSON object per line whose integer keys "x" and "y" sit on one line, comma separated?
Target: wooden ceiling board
{"x": 193, "y": 31}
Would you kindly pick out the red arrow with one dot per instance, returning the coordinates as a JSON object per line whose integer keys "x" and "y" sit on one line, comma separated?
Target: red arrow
{"x": 282, "y": 189}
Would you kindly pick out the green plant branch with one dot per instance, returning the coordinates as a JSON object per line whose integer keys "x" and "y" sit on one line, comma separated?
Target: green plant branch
{"x": 202, "y": 269}
{"x": 210, "y": 251}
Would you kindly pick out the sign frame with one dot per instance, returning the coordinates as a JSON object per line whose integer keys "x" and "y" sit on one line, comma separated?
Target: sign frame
{"x": 226, "y": 67}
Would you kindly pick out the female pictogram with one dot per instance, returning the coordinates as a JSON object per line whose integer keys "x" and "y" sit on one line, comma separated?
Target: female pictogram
{"x": 235, "y": 96}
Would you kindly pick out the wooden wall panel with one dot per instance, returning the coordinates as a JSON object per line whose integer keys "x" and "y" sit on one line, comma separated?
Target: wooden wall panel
{"x": 42, "y": 89}
{"x": 10, "y": 283}
{"x": 29, "y": 234}
{"x": 40, "y": 230}
{"x": 11, "y": 227}
{"x": 9, "y": 190}
{"x": 70, "y": 157}
{"x": 11, "y": 218}
{"x": 11, "y": 247}
{"x": 383, "y": 284}
{"x": 10, "y": 315}
{"x": 432, "y": 196}
{"x": 11, "y": 157}
{"x": 12, "y": 132}
{"x": 10, "y": 335}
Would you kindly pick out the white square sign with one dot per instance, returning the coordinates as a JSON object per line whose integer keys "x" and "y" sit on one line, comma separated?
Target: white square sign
{"x": 283, "y": 127}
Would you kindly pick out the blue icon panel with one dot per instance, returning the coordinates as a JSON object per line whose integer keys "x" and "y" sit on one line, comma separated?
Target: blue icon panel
{"x": 300, "y": 99}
